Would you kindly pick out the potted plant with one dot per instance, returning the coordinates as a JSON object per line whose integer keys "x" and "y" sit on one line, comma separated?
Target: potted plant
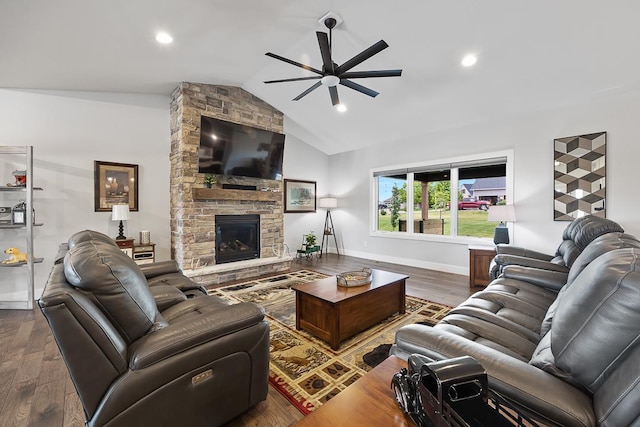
{"x": 310, "y": 240}
{"x": 209, "y": 180}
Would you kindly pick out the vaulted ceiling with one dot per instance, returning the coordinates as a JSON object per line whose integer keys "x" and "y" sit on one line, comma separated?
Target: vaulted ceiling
{"x": 532, "y": 55}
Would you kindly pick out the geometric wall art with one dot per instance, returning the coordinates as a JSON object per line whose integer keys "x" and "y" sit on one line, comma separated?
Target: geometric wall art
{"x": 579, "y": 176}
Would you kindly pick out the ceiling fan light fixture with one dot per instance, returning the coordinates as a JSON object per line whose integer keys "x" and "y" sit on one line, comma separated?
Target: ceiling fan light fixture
{"x": 330, "y": 80}
{"x": 341, "y": 108}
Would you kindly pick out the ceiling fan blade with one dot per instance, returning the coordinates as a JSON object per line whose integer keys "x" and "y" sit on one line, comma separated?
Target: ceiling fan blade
{"x": 306, "y": 92}
{"x": 333, "y": 91}
{"x": 294, "y": 79}
{"x": 362, "y": 56}
{"x": 325, "y": 51}
{"x": 359, "y": 88}
{"x": 366, "y": 74}
{"x": 297, "y": 64}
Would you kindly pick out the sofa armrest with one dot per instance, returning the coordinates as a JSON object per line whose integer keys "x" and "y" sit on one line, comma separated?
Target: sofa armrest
{"x": 192, "y": 332}
{"x": 529, "y": 388}
{"x": 523, "y": 252}
{"x": 504, "y": 260}
{"x": 548, "y": 279}
{"x": 159, "y": 268}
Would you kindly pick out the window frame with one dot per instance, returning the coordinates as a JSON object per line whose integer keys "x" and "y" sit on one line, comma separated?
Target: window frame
{"x": 460, "y": 161}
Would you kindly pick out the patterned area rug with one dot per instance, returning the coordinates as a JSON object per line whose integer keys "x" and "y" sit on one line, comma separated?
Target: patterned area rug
{"x": 305, "y": 369}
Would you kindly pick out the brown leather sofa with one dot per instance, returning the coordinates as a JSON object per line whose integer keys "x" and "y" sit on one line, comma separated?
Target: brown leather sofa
{"x": 562, "y": 347}
{"x": 147, "y": 346}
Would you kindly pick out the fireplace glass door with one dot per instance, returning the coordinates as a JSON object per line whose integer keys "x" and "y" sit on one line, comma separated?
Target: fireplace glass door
{"x": 237, "y": 238}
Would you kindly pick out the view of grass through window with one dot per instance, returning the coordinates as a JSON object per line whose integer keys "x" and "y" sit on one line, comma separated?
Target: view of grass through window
{"x": 473, "y": 224}
{"x": 478, "y": 189}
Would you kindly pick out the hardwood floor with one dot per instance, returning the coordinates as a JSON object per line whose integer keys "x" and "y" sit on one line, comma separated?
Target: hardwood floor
{"x": 36, "y": 390}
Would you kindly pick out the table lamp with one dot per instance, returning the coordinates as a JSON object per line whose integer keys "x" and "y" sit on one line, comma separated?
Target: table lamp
{"x": 120, "y": 213}
{"x": 328, "y": 203}
{"x": 502, "y": 213}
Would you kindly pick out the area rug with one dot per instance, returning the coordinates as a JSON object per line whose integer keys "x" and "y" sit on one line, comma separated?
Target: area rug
{"x": 305, "y": 369}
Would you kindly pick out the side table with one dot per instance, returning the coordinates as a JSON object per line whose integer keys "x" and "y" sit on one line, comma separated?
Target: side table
{"x": 479, "y": 260}
{"x": 309, "y": 253}
{"x": 144, "y": 253}
{"x": 126, "y": 246}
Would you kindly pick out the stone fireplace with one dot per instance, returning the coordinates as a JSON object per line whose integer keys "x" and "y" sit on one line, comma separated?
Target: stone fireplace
{"x": 195, "y": 209}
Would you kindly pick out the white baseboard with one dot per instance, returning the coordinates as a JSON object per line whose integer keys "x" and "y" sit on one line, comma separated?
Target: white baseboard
{"x": 446, "y": 268}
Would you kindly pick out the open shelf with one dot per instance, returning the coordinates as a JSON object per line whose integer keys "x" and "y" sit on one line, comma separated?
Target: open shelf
{"x": 25, "y": 193}
{"x": 18, "y": 264}
{"x": 18, "y": 225}
{"x": 17, "y": 188}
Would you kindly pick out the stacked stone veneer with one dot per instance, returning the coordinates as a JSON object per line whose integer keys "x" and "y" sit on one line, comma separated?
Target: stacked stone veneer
{"x": 192, "y": 221}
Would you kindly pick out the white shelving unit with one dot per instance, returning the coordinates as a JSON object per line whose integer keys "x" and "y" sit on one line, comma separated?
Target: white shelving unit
{"x": 11, "y": 195}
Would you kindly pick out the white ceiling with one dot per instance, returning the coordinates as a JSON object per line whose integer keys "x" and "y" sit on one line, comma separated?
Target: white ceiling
{"x": 532, "y": 55}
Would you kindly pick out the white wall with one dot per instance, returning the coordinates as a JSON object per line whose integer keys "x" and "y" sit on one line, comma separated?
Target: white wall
{"x": 531, "y": 138}
{"x": 303, "y": 162}
{"x": 69, "y": 130}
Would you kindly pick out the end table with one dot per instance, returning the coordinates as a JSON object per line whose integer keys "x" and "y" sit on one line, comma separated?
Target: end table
{"x": 479, "y": 260}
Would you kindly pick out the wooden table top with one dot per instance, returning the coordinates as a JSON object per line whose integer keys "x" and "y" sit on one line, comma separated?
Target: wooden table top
{"x": 327, "y": 289}
{"x": 370, "y": 401}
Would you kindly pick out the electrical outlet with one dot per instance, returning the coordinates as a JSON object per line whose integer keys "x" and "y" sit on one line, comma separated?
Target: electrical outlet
{"x": 364, "y": 243}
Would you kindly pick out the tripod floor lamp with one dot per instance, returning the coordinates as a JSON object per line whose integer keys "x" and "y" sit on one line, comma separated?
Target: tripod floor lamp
{"x": 329, "y": 230}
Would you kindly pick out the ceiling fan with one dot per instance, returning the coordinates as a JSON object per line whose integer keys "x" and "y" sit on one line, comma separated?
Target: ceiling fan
{"x": 333, "y": 74}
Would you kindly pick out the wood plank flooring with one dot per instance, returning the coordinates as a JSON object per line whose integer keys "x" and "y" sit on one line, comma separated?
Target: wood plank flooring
{"x": 36, "y": 390}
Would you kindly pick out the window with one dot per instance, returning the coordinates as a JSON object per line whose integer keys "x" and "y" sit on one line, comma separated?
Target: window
{"x": 448, "y": 198}
{"x": 392, "y": 211}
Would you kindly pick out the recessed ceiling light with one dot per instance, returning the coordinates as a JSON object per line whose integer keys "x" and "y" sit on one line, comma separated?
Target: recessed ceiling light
{"x": 163, "y": 38}
{"x": 341, "y": 108}
{"x": 469, "y": 60}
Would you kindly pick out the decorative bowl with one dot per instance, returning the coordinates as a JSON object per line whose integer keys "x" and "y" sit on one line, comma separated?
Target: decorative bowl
{"x": 354, "y": 278}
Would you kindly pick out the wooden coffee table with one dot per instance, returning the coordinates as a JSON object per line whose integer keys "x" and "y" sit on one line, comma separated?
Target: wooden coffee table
{"x": 334, "y": 313}
{"x": 370, "y": 401}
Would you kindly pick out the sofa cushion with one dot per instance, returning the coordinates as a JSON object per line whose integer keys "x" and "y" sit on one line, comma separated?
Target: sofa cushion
{"x": 596, "y": 319}
{"x": 592, "y": 227}
{"x": 603, "y": 244}
{"x": 90, "y": 236}
{"x": 166, "y": 296}
{"x": 116, "y": 284}
{"x": 580, "y": 232}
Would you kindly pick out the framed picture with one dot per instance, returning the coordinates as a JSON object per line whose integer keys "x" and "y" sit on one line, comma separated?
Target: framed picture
{"x": 299, "y": 196}
{"x": 580, "y": 176}
{"x": 115, "y": 183}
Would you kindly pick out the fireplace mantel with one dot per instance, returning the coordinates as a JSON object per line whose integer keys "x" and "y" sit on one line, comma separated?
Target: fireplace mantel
{"x": 225, "y": 194}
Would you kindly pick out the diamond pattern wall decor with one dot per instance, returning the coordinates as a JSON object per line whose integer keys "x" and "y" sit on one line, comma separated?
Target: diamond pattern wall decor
{"x": 579, "y": 176}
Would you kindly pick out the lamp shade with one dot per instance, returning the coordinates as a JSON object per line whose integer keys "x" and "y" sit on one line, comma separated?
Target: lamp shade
{"x": 328, "y": 202}
{"x": 502, "y": 213}
{"x": 120, "y": 212}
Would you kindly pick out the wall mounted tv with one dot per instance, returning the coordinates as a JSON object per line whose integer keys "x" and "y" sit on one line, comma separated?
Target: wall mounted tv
{"x": 232, "y": 149}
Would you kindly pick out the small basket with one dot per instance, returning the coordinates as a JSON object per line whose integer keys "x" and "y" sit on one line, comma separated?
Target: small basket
{"x": 354, "y": 278}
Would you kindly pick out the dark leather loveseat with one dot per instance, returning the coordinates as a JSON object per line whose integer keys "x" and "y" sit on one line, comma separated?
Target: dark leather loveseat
{"x": 562, "y": 346}
{"x": 577, "y": 236}
{"x": 147, "y": 346}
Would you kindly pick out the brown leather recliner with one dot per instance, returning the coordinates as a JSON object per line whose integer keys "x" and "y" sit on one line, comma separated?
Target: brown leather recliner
{"x": 148, "y": 346}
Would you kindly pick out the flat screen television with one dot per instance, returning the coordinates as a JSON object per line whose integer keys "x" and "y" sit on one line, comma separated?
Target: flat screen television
{"x": 228, "y": 148}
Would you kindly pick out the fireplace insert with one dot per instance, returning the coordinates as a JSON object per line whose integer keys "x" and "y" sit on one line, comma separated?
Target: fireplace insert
{"x": 237, "y": 238}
